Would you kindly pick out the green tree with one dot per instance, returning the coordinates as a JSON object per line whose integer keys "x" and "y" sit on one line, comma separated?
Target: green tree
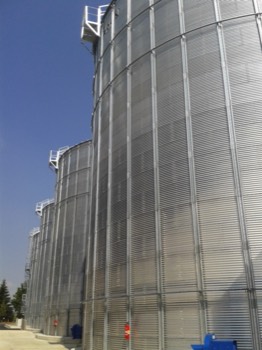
{"x": 6, "y": 312}
{"x": 18, "y": 302}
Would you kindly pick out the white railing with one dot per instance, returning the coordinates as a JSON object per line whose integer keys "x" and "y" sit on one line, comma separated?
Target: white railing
{"x": 54, "y": 157}
{"x": 34, "y": 231}
{"x": 91, "y": 24}
{"x": 41, "y": 205}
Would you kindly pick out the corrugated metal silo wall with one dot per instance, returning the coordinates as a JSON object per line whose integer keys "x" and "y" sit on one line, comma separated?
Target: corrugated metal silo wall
{"x": 45, "y": 238}
{"x": 31, "y": 297}
{"x": 69, "y": 245}
{"x": 175, "y": 244}
{"x": 39, "y": 270}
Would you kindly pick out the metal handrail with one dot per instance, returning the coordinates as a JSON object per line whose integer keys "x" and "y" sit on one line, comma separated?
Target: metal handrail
{"x": 41, "y": 205}
{"x": 54, "y": 157}
{"x": 91, "y": 24}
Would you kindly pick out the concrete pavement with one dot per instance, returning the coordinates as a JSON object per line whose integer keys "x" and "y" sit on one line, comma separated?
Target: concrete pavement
{"x": 11, "y": 339}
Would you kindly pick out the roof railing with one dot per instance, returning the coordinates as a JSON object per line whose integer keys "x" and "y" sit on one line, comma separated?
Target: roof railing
{"x": 34, "y": 231}
{"x": 54, "y": 157}
{"x": 91, "y": 23}
{"x": 41, "y": 205}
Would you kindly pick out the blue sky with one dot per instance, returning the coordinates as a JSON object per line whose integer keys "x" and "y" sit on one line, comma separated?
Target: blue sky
{"x": 45, "y": 103}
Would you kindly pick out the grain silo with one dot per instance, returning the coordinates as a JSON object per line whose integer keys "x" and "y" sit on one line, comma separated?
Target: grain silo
{"x": 69, "y": 239}
{"x": 45, "y": 210}
{"x": 38, "y": 265}
{"x": 31, "y": 272}
{"x": 176, "y": 231}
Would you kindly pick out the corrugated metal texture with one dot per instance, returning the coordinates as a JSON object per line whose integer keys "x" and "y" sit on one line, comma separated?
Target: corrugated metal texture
{"x": 44, "y": 259}
{"x": 166, "y": 21}
{"x": 119, "y": 123}
{"x": 121, "y": 15}
{"x": 253, "y": 208}
{"x": 170, "y": 94}
{"x": 101, "y": 239}
{"x": 120, "y": 56}
{"x": 248, "y": 127}
{"x": 182, "y": 323}
{"x": 31, "y": 299}
{"x": 117, "y": 268}
{"x": 98, "y": 324}
{"x": 235, "y": 8}
{"x": 72, "y": 212}
{"x": 96, "y": 84}
{"x": 228, "y": 315}
{"x": 144, "y": 327}
{"x": 143, "y": 241}
{"x": 138, "y": 6}
{"x": 198, "y": 13}
{"x": 141, "y": 106}
{"x": 176, "y": 211}
{"x": 116, "y": 322}
{"x": 243, "y": 49}
{"x": 247, "y": 122}
{"x": 106, "y": 68}
{"x": 218, "y": 213}
{"x": 91, "y": 243}
{"x": 35, "y": 266}
{"x": 107, "y": 24}
{"x": 259, "y": 301}
{"x": 35, "y": 263}
{"x": 176, "y": 218}
{"x": 140, "y": 35}
{"x": 143, "y": 262}
{"x": 88, "y": 323}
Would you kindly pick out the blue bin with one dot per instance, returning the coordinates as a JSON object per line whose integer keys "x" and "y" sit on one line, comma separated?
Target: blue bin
{"x": 197, "y": 347}
{"x": 224, "y": 345}
{"x": 76, "y": 331}
{"x": 211, "y": 343}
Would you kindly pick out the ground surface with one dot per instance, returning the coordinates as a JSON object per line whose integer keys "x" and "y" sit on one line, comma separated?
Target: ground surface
{"x": 24, "y": 340}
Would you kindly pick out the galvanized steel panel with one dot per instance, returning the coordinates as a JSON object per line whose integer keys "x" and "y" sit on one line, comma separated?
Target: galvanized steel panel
{"x": 116, "y": 322}
{"x": 166, "y": 21}
{"x": 144, "y": 327}
{"x": 235, "y": 8}
{"x": 181, "y": 312}
{"x": 228, "y": 315}
{"x": 178, "y": 204}
{"x": 69, "y": 239}
{"x": 120, "y": 57}
{"x": 140, "y": 35}
{"x": 137, "y": 7}
{"x": 121, "y": 15}
{"x": 198, "y": 13}
{"x": 98, "y": 324}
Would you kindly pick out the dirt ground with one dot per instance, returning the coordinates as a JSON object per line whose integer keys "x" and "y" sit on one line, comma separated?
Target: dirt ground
{"x": 13, "y": 339}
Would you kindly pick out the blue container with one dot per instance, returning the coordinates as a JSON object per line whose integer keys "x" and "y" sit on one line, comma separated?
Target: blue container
{"x": 76, "y": 331}
{"x": 224, "y": 345}
{"x": 197, "y": 347}
{"x": 211, "y": 343}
